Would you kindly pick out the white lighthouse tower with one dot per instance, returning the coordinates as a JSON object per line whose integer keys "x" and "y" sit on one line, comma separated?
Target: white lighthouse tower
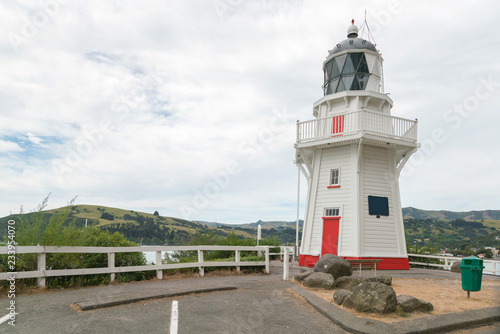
{"x": 352, "y": 155}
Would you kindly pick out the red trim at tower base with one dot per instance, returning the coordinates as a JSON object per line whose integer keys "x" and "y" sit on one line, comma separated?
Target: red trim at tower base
{"x": 308, "y": 260}
{"x": 387, "y": 263}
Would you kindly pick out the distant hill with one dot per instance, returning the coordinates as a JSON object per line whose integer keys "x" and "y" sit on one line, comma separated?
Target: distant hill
{"x": 410, "y": 212}
{"x": 422, "y": 227}
{"x": 147, "y": 228}
{"x": 264, "y": 224}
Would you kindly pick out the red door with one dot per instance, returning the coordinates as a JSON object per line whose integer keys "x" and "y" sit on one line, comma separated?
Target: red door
{"x": 330, "y": 235}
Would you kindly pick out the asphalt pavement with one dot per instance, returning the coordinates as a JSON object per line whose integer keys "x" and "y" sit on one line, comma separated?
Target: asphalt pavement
{"x": 229, "y": 304}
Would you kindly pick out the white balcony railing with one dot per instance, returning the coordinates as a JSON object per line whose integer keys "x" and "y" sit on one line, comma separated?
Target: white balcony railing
{"x": 351, "y": 123}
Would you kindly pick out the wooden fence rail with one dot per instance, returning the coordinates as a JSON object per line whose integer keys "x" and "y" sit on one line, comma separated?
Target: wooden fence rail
{"x": 42, "y": 271}
{"x": 446, "y": 262}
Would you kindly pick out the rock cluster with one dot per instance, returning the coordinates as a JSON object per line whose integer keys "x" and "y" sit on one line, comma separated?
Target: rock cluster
{"x": 367, "y": 294}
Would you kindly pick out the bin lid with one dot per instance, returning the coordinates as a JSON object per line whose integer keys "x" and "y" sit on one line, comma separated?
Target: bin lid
{"x": 472, "y": 261}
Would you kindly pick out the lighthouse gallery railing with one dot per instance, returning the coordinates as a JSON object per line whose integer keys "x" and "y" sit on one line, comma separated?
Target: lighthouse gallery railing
{"x": 348, "y": 124}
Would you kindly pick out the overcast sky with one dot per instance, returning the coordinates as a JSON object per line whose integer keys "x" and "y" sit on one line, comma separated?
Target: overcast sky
{"x": 189, "y": 107}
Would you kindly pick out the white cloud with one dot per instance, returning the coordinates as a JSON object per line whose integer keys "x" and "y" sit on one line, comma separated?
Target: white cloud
{"x": 139, "y": 106}
{"x": 8, "y": 146}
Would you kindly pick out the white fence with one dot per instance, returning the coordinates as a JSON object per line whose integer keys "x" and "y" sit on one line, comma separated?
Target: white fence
{"x": 42, "y": 272}
{"x": 447, "y": 261}
{"x": 350, "y": 123}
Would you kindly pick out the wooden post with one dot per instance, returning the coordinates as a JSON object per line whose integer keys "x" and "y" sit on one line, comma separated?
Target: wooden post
{"x": 111, "y": 265}
{"x": 200, "y": 260}
{"x": 159, "y": 272}
{"x": 41, "y": 269}
{"x": 285, "y": 264}
{"x": 237, "y": 259}
{"x": 267, "y": 259}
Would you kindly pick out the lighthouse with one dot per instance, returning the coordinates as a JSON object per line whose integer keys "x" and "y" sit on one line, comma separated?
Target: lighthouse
{"x": 351, "y": 155}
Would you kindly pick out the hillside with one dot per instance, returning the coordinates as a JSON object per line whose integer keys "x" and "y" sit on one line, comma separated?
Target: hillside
{"x": 440, "y": 229}
{"x": 136, "y": 226}
{"x": 264, "y": 224}
{"x": 410, "y": 212}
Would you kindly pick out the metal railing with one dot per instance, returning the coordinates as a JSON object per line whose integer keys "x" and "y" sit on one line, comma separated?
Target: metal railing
{"x": 351, "y": 123}
{"x": 42, "y": 271}
{"x": 446, "y": 262}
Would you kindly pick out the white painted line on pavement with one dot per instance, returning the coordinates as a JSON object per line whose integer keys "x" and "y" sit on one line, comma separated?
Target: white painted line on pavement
{"x": 4, "y": 318}
{"x": 174, "y": 317}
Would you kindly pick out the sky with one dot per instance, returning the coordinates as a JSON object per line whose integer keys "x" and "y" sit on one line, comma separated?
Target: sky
{"x": 189, "y": 107}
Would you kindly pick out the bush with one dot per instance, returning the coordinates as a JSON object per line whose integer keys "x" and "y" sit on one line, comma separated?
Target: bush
{"x": 107, "y": 216}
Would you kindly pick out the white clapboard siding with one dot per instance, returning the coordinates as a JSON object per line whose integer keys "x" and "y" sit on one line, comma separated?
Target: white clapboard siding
{"x": 379, "y": 234}
{"x": 324, "y": 197}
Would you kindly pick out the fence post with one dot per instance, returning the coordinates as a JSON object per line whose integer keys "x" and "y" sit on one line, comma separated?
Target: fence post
{"x": 237, "y": 259}
{"x": 200, "y": 260}
{"x": 41, "y": 269}
{"x": 159, "y": 272}
{"x": 111, "y": 265}
{"x": 267, "y": 259}
{"x": 285, "y": 264}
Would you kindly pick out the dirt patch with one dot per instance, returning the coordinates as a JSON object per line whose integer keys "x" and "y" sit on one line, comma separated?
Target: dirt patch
{"x": 447, "y": 296}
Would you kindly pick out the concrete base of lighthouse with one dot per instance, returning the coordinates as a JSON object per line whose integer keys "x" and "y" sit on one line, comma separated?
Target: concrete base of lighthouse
{"x": 387, "y": 263}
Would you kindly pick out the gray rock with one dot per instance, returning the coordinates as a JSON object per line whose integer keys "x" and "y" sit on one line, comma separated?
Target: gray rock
{"x": 340, "y": 296}
{"x": 387, "y": 280}
{"x": 372, "y": 297}
{"x": 410, "y": 304}
{"x": 455, "y": 267}
{"x": 346, "y": 282}
{"x": 334, "y": 265}
{"x": 319, "y": 280}
{"x": 425, "y": 306}
{"x": 300, "y": 277}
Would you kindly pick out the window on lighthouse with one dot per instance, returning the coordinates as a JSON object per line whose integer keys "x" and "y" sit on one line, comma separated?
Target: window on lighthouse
{"x": 331, "y": 212}
{"x": 334, "y": 178}
{"x": 346, "y": 72}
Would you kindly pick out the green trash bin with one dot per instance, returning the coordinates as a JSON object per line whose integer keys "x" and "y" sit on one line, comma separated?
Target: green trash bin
{"x": 472, "y": 273}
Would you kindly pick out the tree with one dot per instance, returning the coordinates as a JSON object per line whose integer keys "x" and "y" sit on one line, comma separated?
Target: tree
{"x": 156, "y": 213}
{"x": 107, "y": 216}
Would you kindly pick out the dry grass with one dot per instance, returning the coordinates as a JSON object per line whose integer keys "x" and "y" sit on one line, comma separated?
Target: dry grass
{"x": 446, "y": 296}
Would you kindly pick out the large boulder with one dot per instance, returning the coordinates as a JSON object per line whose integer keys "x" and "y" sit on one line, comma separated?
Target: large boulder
{"x": 455, "y": 267}
{"x": 387, "y": 280}
{"x": 319, "y": 280}
{"x": 410, "y": 304}
{"x": 372, "y": 297}
{"x": 346, "y": 282}
{"x": 340, "y": 296}
{"x": 300, "y": 277}
{"x": 333, "y": 265}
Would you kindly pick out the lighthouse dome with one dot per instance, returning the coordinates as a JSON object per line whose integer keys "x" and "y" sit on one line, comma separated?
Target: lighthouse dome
{"x": 353, "y": 44}
{"x": 353, "y": 64}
